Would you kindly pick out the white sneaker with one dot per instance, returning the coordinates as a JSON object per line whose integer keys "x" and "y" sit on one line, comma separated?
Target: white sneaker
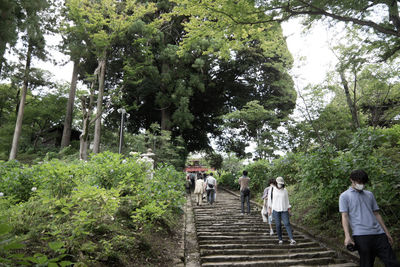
{"x": 292, "y": 242}
{"x": 280, "y": 242}
{"x": 271, "y": 232}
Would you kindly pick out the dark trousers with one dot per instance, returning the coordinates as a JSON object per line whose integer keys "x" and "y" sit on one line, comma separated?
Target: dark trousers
{"x": 210, "y": 196}
{"x": 245, "y": 196}
{"x": 371, "y": 246}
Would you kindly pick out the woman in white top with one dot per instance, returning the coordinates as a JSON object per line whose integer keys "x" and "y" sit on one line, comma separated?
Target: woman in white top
{"x": 279, "y": 206}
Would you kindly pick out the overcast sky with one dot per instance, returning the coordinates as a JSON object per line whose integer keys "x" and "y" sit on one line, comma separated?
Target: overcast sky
{"x": 310, "y": 50}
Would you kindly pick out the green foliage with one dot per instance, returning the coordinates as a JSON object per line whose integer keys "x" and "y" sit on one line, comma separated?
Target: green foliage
{"x": 232, "y": 164}
{"x": 316, "y": 178}
{"x": 215, "y": 160}
{"x": 167, "y": 149}
{"x": 229, "y": 180}
{"x": 244, "y": 19}
{"x": 101, "y": 209}
{"x": 323, "y": 174}
{"x": 259, "y": 175}
{"x": 16, "y": 181}
{"x": 10, "y": 247}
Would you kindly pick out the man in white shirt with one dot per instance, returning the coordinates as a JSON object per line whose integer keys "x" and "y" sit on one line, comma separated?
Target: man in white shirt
{"x": 211, "y": 188}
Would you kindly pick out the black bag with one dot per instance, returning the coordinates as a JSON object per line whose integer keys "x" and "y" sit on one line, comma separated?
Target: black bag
{"x": 246, "y": 192}
{"x": 210, "y": 185}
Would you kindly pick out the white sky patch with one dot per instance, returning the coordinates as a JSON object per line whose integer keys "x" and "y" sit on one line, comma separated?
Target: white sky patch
{"x": 310, "y": 50}
{"x": 59, "y": 63}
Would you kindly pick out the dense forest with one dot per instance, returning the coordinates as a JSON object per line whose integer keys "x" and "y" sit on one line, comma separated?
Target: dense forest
{"x": 182, "y": 77}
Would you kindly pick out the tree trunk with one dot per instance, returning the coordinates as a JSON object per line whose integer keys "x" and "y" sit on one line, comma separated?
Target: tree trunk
{"x": 97, "y": 129}
{"x": 87, "y": 113}
{"x": 66, "y": 137}
{"x": 83, "y": 143}
{"x": 350, "y": 102}
{"x": 18, "y": 124}
{"x": 165, "y": 119}
{"x": 165, "y": 114}
{"x": 84, "y": 137}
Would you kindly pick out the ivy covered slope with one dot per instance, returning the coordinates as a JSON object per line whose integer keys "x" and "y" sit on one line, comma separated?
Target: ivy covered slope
{"x": 107, "y": 211}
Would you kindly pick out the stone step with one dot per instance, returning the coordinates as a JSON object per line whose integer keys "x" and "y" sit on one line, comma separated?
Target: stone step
{"x": 239, "y": 231}
{"x": 255, "y": 246}
{"x": 247, "y": 238}
{"x": 284, "y": 262}
{"x": 252, "y": 251}
{"x": 277, "y": 257}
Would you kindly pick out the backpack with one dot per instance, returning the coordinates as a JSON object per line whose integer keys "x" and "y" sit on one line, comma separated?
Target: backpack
{"x": 210, "y": 185}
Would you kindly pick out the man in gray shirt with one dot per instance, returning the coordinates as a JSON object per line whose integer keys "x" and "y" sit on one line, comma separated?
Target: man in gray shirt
{"x": 360, "y": 212}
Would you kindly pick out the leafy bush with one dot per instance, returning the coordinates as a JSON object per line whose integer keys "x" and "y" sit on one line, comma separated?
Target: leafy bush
{"x": 16, "y": 181}
{"x": 229, "y": 180}
{"x": 92, "y": 206}
{"x": 259, "y": 175}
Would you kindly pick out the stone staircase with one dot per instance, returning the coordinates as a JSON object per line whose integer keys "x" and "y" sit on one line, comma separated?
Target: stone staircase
{"x": 227, "y": 238}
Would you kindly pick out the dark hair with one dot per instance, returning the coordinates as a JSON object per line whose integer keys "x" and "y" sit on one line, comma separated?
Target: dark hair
{"x": 245, "y": 173}
{"x": 211, "y": 174}
{"x": 359, "y": 176}
{"x": 272, "y": 181}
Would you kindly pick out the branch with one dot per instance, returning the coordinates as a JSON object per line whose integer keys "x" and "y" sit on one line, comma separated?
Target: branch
{"x": 231, "y": 17}
{"x": 293, "y": 12}
{"x": 319, "y": 11}
{"x": 310, "y": 120}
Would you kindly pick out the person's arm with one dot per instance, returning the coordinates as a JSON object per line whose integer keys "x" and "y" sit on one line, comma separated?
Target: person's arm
{"x": 380, "y": 220}
{"x": 269, "y": 202}
{"x": 346, "y": 229}
{"x": 287, "y": 201}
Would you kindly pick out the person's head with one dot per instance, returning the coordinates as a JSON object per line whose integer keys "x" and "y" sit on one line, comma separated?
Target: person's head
{"x": 280, "y": 183}
{"x": 272, "y": 182}
{"x": 358, "y": 179}
{"x": 211, "y": 174}
{"x": 245, "y": 173}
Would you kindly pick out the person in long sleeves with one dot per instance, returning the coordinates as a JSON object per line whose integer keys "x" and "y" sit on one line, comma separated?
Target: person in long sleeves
{"x": 279, "y": 206}
{"x": 199, "y": 189}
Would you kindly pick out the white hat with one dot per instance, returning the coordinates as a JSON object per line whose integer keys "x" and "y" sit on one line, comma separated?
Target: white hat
{"x": 279, "y": 180}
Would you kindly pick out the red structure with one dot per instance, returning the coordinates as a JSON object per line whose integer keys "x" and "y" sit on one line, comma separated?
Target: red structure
{"x": 196, "y": 167}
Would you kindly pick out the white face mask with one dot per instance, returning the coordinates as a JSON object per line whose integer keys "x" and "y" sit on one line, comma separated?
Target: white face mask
{"x": 279, "y": 186}
{"x": 359, "y": 187}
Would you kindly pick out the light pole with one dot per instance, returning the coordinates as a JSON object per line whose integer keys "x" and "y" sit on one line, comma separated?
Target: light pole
{"x": 121, "y": 133}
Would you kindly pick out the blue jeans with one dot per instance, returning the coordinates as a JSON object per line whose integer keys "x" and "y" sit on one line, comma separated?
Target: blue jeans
{"x": 284, "y": 215}
{"x": 210, "y": 195}
{"x": 244, "y": 197}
